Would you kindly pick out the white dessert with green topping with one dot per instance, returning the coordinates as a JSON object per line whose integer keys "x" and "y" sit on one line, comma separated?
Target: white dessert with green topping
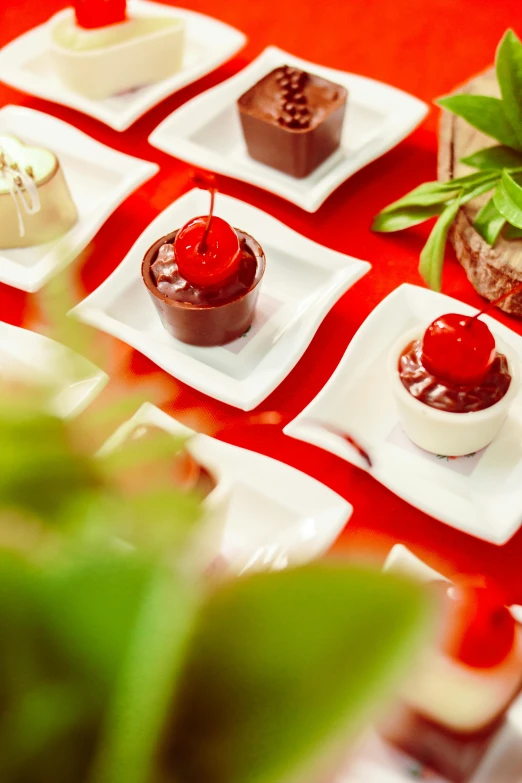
{"x": 35, "y": 202}
{"x": 99, "y": 62}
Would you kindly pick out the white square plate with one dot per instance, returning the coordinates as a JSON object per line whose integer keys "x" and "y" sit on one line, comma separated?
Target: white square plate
{"x": 206, "y": 131}
{"x": 26, "y": 64}
{"x": 31, "y": 357}
{"x": 480, "y": 495}
{"x": 99, "y": 178}
{"x": 303, "y": 280}
{"x": 276, "y": 516}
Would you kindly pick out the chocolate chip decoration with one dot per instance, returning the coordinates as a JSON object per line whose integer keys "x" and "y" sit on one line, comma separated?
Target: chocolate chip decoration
{"x": 294, "y": 112}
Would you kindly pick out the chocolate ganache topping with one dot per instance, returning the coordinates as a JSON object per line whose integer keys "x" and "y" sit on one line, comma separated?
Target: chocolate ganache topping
{"x": 293, "y": 99}
{"x": 170, "y": 283}
{"x": 430, "y": 390}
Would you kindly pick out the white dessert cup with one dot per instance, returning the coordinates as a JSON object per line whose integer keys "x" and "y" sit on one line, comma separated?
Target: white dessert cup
{"x": 444, "y": 432}
{"x": 108, "y": 70}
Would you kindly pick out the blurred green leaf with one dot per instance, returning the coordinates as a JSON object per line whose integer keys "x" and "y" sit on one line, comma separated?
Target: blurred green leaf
{"x": 484, "y": 113}
{"x": 146, "y": 683}
{"x": 48, "y": 709}
{"x": 509, "y": 75}
{"x": 40, "y": 468}
{"x": 56, "y": 300}
{"x": 158, "y": 445}
{"x": 284, "y": 666}
{"x": 91, "y": 604}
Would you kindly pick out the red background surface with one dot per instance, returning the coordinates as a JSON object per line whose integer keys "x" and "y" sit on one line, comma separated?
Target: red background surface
{"x": 424, "y": 48}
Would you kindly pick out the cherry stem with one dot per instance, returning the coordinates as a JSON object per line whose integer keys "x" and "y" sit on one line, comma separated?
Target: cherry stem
{"x": 203, "y": 244}
{"x": 495, "y": 302}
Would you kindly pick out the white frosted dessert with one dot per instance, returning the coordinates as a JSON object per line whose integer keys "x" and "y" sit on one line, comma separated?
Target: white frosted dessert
{"x": 35, "y": 202}
{"x": 99, "y": 62}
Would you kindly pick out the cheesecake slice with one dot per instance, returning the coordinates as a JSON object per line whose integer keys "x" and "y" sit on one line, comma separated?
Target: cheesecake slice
{"x": 35, "y": 202}
{"x": 100, "y": 62}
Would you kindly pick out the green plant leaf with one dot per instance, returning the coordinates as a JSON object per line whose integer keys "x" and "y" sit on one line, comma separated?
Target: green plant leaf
{"x": 480, "y": 189}
{"x": 489, "y": 222}
{"x": 470, "y": 181}
{"x": 484, "y": 113}
{"x": 427, "y": 194}
{"x": 430, "y": 195}
{"x": 432, "y": 255}
{"x": 40, "y": 470}
{"x": 512, "y": 232}
{"x": 146, "y": 682}
{"x": 508, "y": 199}
{"x": 509, "y": 75}
{"x": 498, "y": 157}
{"x": 282, "y": 666}
{"x": 404, "y": 217}
{"x": 91, "y": 604}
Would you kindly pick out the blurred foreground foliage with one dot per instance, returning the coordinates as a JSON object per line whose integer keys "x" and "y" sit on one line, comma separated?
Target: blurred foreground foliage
{"x": 121, "y": 661}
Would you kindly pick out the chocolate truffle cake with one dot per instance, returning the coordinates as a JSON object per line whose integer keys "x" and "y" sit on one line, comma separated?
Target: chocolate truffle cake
{"x": 292, "y": 120}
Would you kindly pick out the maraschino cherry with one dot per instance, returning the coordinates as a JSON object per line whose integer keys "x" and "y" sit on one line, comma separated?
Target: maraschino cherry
{"x": 207, "y": 248}
{"x": 91, "y": 14}
{"x": 458, "y": 349}
{"x": 481, "y": 628}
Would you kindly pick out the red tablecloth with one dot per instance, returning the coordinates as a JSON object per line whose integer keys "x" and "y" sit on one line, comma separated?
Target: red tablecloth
{"x": 424, "y": 48}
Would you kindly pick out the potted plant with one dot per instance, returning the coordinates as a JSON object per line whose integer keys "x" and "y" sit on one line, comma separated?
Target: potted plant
{"x": 477, "y": 201}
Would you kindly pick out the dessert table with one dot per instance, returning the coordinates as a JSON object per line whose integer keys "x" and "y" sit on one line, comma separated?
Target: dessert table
{"x": 425, "y": 49}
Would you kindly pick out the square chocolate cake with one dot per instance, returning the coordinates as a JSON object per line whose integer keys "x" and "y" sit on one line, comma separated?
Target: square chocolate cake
{"x": 292, "y": 120}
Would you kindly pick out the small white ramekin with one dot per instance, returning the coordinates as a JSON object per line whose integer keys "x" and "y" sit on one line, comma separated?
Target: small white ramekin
{"x": 110, "y": 70}
{"x": 443, "y": 432}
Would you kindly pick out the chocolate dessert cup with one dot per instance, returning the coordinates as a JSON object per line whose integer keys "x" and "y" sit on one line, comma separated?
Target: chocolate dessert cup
{"x": 205, "y": 324}
{"x": 456, "y": 755}
{"x": 292, "y": 120}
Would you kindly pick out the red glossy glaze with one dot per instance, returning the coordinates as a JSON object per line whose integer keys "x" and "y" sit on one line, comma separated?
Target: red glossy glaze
{"x": 481, "y": 629}
{"x": 458, "y": 349}
{"x": 91, "y": 14}
{"x": 207, "y": 257}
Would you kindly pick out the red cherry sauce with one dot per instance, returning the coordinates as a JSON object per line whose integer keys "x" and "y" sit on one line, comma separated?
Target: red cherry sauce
{"x": 169, "y": 281}
{"x": 426, "y": 388}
